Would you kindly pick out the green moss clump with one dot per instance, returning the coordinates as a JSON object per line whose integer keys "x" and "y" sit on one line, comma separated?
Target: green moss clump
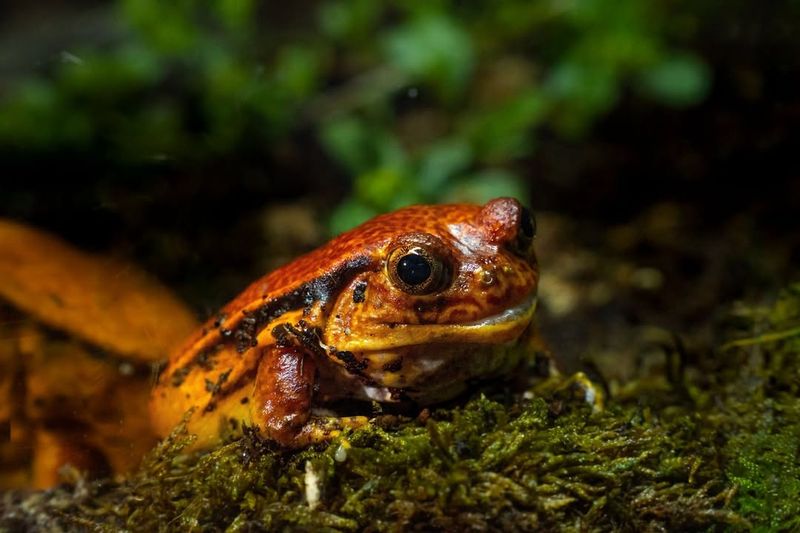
{"x": 765, "y": 467}
{"x": 763, "y": 453}
{"x": 714, "y": 450}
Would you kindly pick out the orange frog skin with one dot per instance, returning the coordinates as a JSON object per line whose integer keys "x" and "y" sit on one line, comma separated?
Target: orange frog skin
{"x": 409, "y": 306}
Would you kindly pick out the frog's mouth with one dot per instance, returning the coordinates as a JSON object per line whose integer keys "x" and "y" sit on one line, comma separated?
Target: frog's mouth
{"x": 502, "y": 327}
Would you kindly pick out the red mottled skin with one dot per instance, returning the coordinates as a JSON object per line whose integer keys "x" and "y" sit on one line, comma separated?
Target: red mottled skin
{"x": 340, "y": 323}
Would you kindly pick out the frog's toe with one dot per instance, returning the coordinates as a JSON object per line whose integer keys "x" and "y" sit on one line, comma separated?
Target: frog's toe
{"x": 320, "y": 429}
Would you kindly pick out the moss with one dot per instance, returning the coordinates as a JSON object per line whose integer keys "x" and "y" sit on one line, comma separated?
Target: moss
{"x": 712, "y": 449}
{"x": 762, "y": 454}
{"x": 765, "y": 467}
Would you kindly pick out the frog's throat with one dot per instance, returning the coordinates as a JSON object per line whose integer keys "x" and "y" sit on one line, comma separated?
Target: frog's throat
{"x": 502, "y": 327}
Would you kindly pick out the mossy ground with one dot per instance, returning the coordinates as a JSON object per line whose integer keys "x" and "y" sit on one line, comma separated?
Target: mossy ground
{"x": 713, "y": 445}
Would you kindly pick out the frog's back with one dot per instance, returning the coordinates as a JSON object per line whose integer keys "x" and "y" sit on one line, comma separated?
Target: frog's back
{"x": 351, "y": 246}
{"x": 316, "y": 275}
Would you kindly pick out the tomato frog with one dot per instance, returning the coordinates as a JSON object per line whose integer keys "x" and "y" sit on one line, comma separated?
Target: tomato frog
{"x": 408, "y": 307}
{"x": 79, "y": 335}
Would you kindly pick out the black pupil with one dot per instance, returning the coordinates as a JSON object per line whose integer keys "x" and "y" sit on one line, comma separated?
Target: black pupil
{"x": 413, "y": 269}
{"x": 526, "y": 223}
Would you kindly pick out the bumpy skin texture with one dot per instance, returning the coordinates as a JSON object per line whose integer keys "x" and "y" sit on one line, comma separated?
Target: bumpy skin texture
{"x": 340, "y": 322}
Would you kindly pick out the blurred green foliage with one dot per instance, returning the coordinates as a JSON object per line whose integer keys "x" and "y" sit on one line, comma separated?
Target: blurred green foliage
{"x": 417, "y": 101}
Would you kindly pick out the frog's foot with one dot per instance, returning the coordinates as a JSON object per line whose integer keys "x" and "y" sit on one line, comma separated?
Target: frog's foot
{"x": 282, "y": 401}
{"x": 320, "y": 429}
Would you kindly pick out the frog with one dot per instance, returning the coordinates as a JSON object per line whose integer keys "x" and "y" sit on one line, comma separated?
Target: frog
{"x": 81, "y": 335}
{"x": 410, "y": 307}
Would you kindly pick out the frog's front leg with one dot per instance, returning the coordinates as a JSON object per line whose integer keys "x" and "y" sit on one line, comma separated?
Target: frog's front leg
{"x": 284, "y": 387}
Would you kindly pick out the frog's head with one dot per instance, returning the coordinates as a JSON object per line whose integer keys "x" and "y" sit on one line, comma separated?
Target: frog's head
{"x": 457, "y": 274}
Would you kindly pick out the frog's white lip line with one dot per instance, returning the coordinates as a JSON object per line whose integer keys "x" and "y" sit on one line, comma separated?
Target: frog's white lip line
{"x": 511, "y": 314}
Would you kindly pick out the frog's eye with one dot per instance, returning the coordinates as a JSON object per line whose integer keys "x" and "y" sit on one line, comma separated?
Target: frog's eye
{"x": 526, "y": 231}
{"x": 417, "y": 270}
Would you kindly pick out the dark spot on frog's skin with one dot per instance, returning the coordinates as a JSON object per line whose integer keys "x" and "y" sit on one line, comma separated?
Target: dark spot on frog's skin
{"x": 179, "y": 376}
{"x": 281, "y": 334}
{"x": 230, "y": 388}
{"x": 214, "y": 387}
{"x": 244, "y": 401}
{"x": 220, "y": 319}
{"x": 351, "y": 363}
{"x": 206, "y": 359}
{"x": 359, "y": 292}
{"x": 394, "y": 366}
{"x": 245, "y": 334}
